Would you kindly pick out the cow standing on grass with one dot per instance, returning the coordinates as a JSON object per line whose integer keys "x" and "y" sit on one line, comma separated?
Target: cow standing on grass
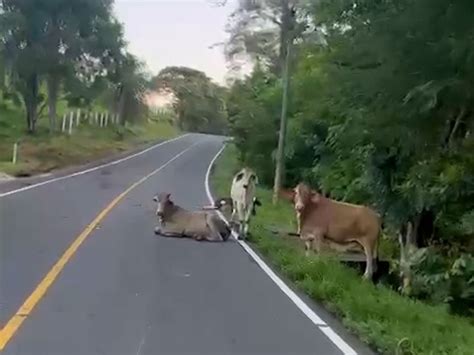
{"x": 242, "y": 193}
{"x": 339, "y": 224}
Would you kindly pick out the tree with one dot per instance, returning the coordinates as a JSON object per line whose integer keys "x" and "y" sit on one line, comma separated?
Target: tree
{"x": 199, "y": 103}
{"x": 130, "y": 85}
{"x": 74, "y": 30}
{"x": 57, "y": 40}
{"x": 265, "y": 30}
{"x": 23, "y": 30}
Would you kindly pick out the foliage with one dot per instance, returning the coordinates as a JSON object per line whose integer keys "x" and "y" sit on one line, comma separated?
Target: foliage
{"x": 199, "y": 103}
{"x": 259, "y": 29}
{"x": 75, "y": 48}
{"x": 436, "y": 280}
{"x": 42, "y": 152}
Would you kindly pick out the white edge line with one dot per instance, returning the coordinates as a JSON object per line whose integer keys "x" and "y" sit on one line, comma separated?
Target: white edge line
{"x": 92, "y": 169}
{"x": 308, "y": 312}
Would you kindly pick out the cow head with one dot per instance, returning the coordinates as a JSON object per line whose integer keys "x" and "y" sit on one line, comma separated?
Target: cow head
{"x": 246, "y": 177}
{"x": 303, "y": 196}
{"x": 164, "y": 204}
{"x": 219, "y": 203}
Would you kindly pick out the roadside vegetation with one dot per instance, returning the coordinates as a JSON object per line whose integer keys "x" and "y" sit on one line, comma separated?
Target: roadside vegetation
{"x": 386, "y": 320}
{"x": 369, "y": 102}
{"x": 44, "y": 152}
{"x": 62, "y": 56}
{"x": 379, "y": 112}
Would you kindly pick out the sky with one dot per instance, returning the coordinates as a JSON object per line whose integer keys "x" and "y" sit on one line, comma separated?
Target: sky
{"x": 176, "y": 33}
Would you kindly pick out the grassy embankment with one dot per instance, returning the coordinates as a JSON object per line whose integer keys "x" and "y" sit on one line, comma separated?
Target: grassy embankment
{"x": 389, "y": 322}
{"x": 44, "y": 152}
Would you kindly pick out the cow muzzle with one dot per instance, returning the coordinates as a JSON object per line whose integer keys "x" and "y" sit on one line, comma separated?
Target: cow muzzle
{"x": 299, "y": 207}
{"x": 160, "y": 216}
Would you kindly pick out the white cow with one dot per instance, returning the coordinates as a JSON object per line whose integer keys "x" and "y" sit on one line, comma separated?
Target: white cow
{"x": 242, "y": 193}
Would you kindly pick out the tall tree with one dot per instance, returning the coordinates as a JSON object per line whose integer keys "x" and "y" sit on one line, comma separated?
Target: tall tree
{"x": 199, "y": 103}
{"x": 265, "y": 30}
{"x": 74, "y": 31}
{"x": 24, "y": 28}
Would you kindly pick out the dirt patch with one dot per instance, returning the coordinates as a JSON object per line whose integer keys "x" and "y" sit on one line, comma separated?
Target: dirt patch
{"x": 5, "y": 177}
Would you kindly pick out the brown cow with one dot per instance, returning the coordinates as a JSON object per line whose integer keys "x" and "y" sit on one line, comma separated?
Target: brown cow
{"x": 321, "y": 219}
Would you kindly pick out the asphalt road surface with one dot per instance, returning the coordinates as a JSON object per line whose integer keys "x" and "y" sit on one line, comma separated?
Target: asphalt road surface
{"x": 125, "y": 290}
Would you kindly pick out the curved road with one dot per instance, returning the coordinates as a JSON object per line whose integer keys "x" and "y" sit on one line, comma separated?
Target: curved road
{"x": 81, "y": 271}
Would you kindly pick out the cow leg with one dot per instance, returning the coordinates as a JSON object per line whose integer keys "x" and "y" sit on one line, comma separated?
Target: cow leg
{"x": 247, "y": 219}
{"x": 241, "y": 215}
{"x": 214, "y": 233}
{"x": 311, "y": 242}
{"x": 298, "y": 222}
{"x": 307, "y": 247}
{"x": 234, "y": 211}
{"x": 375, "y": 256}
{"x": 369, "y": 258}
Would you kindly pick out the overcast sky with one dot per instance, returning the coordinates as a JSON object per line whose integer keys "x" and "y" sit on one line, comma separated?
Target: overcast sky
{"x": 176, "y": 32}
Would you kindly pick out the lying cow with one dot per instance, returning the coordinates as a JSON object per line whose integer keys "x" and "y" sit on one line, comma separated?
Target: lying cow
{"x": 323, "y": 220}
{"x": 180, "y": 223}
{"x": 243, "y": 198}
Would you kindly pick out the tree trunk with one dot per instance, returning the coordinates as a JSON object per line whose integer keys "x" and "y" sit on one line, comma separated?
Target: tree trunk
{"x": 121, "y": 105}
{"x": 53, "y": 88}
{"x": 30, "y": 98}
{"x": 454, "y": 125}
{"x": 280, "y": 157}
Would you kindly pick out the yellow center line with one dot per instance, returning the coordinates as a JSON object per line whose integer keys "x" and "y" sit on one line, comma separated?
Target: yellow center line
{"x": 33, "y": 299}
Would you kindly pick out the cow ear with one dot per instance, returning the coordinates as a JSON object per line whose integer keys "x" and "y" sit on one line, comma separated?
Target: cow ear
{"x": 287, "y": 194}
{"x": 315, "y": 197}
{"x": 168, "y": 197}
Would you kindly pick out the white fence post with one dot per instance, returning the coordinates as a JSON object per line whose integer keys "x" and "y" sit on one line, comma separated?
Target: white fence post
{"x": 78, "y": 117}
{"x": 15, "y": 152}
{"x": 71, "y": 121}
{"x": 63, "y": 126}
{"x": 106, "y": 119}
{"x": 96, "y": 119}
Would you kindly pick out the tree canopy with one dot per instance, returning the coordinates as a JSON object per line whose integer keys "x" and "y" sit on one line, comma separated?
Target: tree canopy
{"x": 199, "y": 102}
{"x": 75, "y": 48}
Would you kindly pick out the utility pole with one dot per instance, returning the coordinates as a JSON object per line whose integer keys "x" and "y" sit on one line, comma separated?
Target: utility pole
{"x": 280, "y": 156}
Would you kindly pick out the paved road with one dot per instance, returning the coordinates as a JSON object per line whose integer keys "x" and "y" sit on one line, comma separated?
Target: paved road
{"x": 126, "y": 291}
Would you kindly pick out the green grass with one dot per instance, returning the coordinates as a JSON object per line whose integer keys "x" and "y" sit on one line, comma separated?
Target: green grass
{"x": 382, "y": 318}
{"x": 44, "y": 152}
